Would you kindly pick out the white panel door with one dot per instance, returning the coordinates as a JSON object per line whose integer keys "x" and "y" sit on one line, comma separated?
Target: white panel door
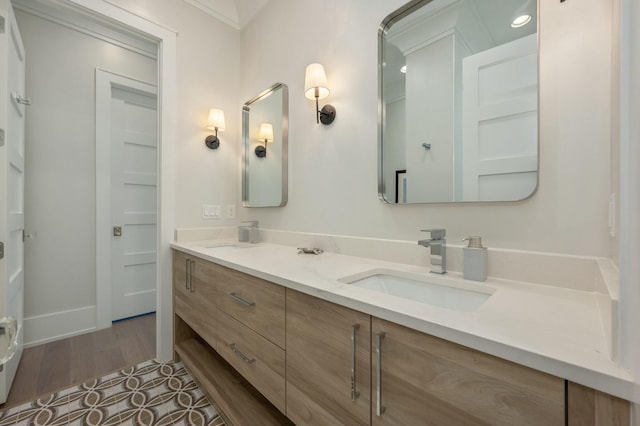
{"x": 133, "y": 202}
{"x": 12, "y": 134}
{"x": 500, "y": 122}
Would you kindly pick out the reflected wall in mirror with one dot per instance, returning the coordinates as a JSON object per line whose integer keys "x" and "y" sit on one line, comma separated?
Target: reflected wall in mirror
{"x": 458, "y": 115}
{"x": 265, "y": 125}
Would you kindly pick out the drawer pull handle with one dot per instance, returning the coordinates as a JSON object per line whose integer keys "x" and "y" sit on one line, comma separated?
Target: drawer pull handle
{"x": 354, "y": 393}
{"x": 192, "y": 288}
{"x": 241, "y": 355}
{"x": 379, "y": 407}
{"x": 241, "y": 300}
{"x": 187, "y": 273}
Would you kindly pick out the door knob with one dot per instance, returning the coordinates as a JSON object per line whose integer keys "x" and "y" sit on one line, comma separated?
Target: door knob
{"x": 117, "y": 231}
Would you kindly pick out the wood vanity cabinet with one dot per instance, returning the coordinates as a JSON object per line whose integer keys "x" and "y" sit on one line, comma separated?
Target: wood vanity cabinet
{"x": 251, "y": 318}
{"x": 269, "y": 355}
{"x": 194, "y": 294}
{"x": 239, "y": 370}
{"x": 421, "y": 379}
{"x": 328, "y": 363}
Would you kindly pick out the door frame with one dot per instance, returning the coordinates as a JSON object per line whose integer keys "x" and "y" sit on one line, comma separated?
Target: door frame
{"x": 167, "y": 97}
{"x": 105, "y": 81}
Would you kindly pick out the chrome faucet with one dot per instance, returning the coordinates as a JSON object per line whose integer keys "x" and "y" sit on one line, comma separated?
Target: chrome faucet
{"x": 438, "y": 244}
{"x": 249, "y": 233}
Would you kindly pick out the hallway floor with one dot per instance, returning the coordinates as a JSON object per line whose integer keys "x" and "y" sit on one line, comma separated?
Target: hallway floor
{"x": 58, "y": 365}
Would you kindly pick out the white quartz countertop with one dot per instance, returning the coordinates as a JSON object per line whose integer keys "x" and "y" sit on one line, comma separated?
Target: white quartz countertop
{"x": 551, "y": 329}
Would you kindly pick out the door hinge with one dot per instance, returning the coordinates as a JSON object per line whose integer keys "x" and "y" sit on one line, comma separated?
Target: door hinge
{"x": 1, "y": 137}
{"x": 2, "y": 24}
{"x": 1, "y": 250}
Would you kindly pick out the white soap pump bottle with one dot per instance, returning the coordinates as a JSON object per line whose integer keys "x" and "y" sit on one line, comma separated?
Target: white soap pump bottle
{"x": 474, "y": 260}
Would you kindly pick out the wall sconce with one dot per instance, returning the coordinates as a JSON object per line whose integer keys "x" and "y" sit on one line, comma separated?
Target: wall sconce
{"x": 265, "y": 134}
{"x": 316, "y": 87}
{"x": 215, "y": 123}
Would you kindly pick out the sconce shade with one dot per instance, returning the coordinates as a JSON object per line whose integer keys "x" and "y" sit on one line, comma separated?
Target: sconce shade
{"x": 216, "y": 119}
{"x": 315, "y": 78}
{"x": 215, "y": 122}
{"x": 266, "y": 132}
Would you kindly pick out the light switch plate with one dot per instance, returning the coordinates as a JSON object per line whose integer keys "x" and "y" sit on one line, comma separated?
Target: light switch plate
{"x": 216, "y": 212}
{"x": 211, "y": 211}
{"x": 231, "y": 211}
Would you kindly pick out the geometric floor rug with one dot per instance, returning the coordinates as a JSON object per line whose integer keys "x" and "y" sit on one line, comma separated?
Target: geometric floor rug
{"x": 147, "y": 394}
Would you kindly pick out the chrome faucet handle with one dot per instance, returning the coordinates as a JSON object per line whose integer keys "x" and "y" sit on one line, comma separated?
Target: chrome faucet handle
{"x": 436, "y": 233}
{"x": 252, "y": 223}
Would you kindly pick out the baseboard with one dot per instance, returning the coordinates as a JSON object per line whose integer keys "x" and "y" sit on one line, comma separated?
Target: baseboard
{"x": 58, "y": 325}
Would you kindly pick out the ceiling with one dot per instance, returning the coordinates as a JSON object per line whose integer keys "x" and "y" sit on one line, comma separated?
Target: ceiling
{"x": 236, "y": 13}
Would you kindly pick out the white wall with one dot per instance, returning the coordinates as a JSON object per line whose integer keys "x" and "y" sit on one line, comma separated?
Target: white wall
{"x": 332, "y": 185}
{"x": 60, "y": 197}
{"x": 394, "y": 158}
{"x": 207, "y": 77}
{"x": 430, "y": 119}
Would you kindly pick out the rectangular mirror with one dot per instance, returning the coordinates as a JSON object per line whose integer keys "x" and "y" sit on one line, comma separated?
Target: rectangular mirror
{"x": 265, "y": 122}
{"x": 458, "y": 102}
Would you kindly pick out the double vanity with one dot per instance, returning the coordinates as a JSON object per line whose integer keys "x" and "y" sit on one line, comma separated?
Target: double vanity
{"x": 275, "y": 335}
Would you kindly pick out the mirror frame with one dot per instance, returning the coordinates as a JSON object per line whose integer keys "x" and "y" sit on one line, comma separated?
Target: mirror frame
{"x": 384, "y": 27}
{"x": 246, "y": 143}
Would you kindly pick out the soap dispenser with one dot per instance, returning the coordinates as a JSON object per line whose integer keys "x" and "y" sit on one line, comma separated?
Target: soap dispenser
{"x": 474, "y": 260}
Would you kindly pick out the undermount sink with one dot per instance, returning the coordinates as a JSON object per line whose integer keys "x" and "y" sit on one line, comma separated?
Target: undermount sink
{"x": 438, "y": 291}
{"x": 227, "y": 246}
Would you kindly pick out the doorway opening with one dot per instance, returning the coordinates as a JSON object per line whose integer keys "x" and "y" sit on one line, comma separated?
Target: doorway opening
{"x": 81, "y": 319}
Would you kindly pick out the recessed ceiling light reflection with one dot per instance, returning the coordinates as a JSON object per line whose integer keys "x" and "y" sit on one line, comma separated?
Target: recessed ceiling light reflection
{"x": 520, "y": 21}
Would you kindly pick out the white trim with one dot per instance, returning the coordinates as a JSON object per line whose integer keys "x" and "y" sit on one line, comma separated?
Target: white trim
{"x": 203, "y": 6}
{"x": 166, "y": 170}
{"x": 630, "y": 195}
{"x": 75, "y": 20}
{"x": 58, "y": 325}
{"x": 105, "y": 81}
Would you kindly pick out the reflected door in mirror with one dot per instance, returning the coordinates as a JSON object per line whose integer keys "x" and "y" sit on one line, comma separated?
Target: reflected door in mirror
{"x": 459, "y": 96}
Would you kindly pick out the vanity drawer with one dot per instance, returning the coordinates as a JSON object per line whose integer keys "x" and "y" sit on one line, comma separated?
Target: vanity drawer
{"x": 254, "y": 302}
{"x": 258, "y": 360}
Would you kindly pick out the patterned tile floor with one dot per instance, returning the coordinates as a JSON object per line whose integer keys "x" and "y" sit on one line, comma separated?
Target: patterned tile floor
{"x": 150, "y": 393}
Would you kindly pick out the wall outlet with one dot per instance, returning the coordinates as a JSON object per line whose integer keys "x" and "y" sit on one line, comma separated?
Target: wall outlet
{"x": 231, "y": 211}
{"x": 211, "y": 211}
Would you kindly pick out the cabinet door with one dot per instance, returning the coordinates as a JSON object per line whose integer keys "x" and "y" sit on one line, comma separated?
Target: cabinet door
{"x": 328, "y": 366}
{"x": 181, "y": 277}
{"x": 421, "y": 379}
{"x": 180, "y": 266}
{"x": 194, "y": 294}
{"x": 203, "y": 287}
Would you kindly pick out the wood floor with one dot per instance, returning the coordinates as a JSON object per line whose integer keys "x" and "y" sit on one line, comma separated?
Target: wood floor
{"x": 52, "y": 366}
